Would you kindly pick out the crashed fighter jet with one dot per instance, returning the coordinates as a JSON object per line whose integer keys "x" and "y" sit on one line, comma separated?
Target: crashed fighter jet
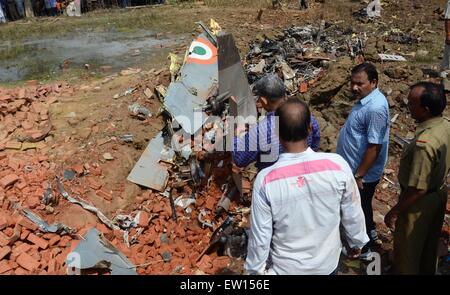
{"x": 211, "y": 74}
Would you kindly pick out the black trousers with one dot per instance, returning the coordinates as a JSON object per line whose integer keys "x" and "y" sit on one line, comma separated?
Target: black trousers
{"x": 366, "y": 203}
{"x": 303, "y": 4}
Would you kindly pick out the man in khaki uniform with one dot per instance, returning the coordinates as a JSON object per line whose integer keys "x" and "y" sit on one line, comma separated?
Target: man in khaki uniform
{"x": 425, "y": 163}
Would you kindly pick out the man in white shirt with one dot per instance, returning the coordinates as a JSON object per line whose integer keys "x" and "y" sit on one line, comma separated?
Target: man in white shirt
{"x": 299, "y": 203}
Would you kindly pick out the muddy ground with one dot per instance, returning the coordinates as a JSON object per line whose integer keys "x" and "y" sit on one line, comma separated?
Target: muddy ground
{"x": 87, "y": 120}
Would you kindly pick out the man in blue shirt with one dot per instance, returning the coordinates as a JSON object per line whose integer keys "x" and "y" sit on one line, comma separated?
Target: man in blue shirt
{"x": 364, "y": 139}
{"x": 260, "y": 143}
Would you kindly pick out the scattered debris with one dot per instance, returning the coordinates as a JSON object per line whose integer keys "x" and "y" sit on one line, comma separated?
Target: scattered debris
{"x": 125, "y": 93}
{"x": 85, "y": 205}
{"x": 126, "y": 138}
{"x": 148, "y": 93}
{"x": 108, "y": 156}
{"x": 130, "y": 71}
{"x": 391, "y": 57}
{"x": 139, "y": 111}
{"x": 57, "y": 228}
{"x": 48, "y": 197}
{"x": 94, "y": 252}
{"x": 148, "y": 171}
{"x": 69, "y": 174}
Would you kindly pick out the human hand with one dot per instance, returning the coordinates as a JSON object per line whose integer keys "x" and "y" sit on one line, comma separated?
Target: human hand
{"x": 354, "y": 253}
{"x": 236, "y": 169}
{"x": 360, "y": 183}
{"x": 391, "y": 218}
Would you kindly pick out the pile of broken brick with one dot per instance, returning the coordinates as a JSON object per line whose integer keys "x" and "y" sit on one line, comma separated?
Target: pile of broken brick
{"x": 155, "y": 244}
{"x": 32, "y": 193}
{"x": 24, "y": 114}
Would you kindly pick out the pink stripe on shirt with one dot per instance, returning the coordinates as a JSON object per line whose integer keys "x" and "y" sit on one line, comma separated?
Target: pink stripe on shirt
{"x": 301, "y": 169}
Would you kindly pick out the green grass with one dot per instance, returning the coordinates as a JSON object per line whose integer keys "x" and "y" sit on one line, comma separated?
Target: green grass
{"x": 11, "y": 52}
{"x": 241, "y": 3}
{"x": 150, "y": 18}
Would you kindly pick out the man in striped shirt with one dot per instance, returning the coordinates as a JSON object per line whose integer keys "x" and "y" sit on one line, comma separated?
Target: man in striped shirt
{"x": 260, "y": 143}
{"x": 299, "y": 203}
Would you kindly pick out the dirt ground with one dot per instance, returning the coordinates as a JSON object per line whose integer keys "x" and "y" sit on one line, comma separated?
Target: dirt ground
{"x": 88, "y": 121}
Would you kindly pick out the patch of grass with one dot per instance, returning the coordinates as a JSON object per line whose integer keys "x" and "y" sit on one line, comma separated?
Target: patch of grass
{"x": 149, "y": 18}
{"x": 242, "y": 3}
{"x": 11, "y": 52}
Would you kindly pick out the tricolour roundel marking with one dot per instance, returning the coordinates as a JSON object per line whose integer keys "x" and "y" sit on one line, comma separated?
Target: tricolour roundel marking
{"x": 202, "y": 51}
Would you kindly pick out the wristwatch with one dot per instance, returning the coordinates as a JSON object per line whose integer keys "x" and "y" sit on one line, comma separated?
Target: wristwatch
{"x": 357, "y": 176}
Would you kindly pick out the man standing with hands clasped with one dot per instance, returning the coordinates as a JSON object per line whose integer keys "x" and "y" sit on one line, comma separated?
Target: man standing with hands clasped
{"x": 363, "y": 141}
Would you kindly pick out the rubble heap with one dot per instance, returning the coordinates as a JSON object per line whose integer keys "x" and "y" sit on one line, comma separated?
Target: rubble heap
{"x": 24, "y": 113}
{"x": 300, "y": 54}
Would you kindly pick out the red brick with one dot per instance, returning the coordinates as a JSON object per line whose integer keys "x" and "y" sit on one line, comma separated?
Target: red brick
{"x": 28, "y": 224}
{"x": 24, "y": 247}
{"x": 3, "y": 240}
{"x": 21, "y": 185}
{"x": 64, "y": 242}
{"x": 205, "y": 263}
{"x": 54, "y": 240}
{"x": 13, "y": 264}
{"x": 22, "y": 93}
{"x": 4, "y": 251}
{"x": 20, "y": 271}
{"x": 94, "y": 184}
{"x": 55, "y": 251}
{"x": 32, "y": 82}
{"x": 46, "y": 255}
{"x": 220, "y": 262}
{"x": 27, "y": 125}
{"x": 4, "y": 267}
{"x": 3, "y": 221}
{"x": 27, "y": 262}
{"x": 78, "y": 169}
{"x": 157, "y": 208}
{"x": 48, "y": 236}
{"x": 102, "y": 228}
{"x": 24, "y": 234}
{"x": 180, "y": 232}
{"x": 12, "y": 238}
{"x": 210, "y": 203}
{"x": 40, "y": 242}
{"x": 104, "y": 194}
{"x": 8, "y": 180}
{"x": 51, "y": 266}
{"x": 35, "y": 252}
{"x": 144, "y": 219}
{"x": 8, "y": 231}
{"x": 181, "y": 248}
{"x": 61, "y": 258}
{"x": 33, "y": 202}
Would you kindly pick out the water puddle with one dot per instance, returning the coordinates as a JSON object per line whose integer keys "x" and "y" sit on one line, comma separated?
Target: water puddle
{"x": 47, "y": 58}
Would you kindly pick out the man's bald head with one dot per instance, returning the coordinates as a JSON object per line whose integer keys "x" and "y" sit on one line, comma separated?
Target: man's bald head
{"x": 294, "y": 120}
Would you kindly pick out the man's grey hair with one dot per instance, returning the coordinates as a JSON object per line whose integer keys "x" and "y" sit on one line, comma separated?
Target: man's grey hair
{"x": 271, "y": 87}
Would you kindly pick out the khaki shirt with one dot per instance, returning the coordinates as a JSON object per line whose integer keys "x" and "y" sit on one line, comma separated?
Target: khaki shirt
{"x": 425, "y": 162}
